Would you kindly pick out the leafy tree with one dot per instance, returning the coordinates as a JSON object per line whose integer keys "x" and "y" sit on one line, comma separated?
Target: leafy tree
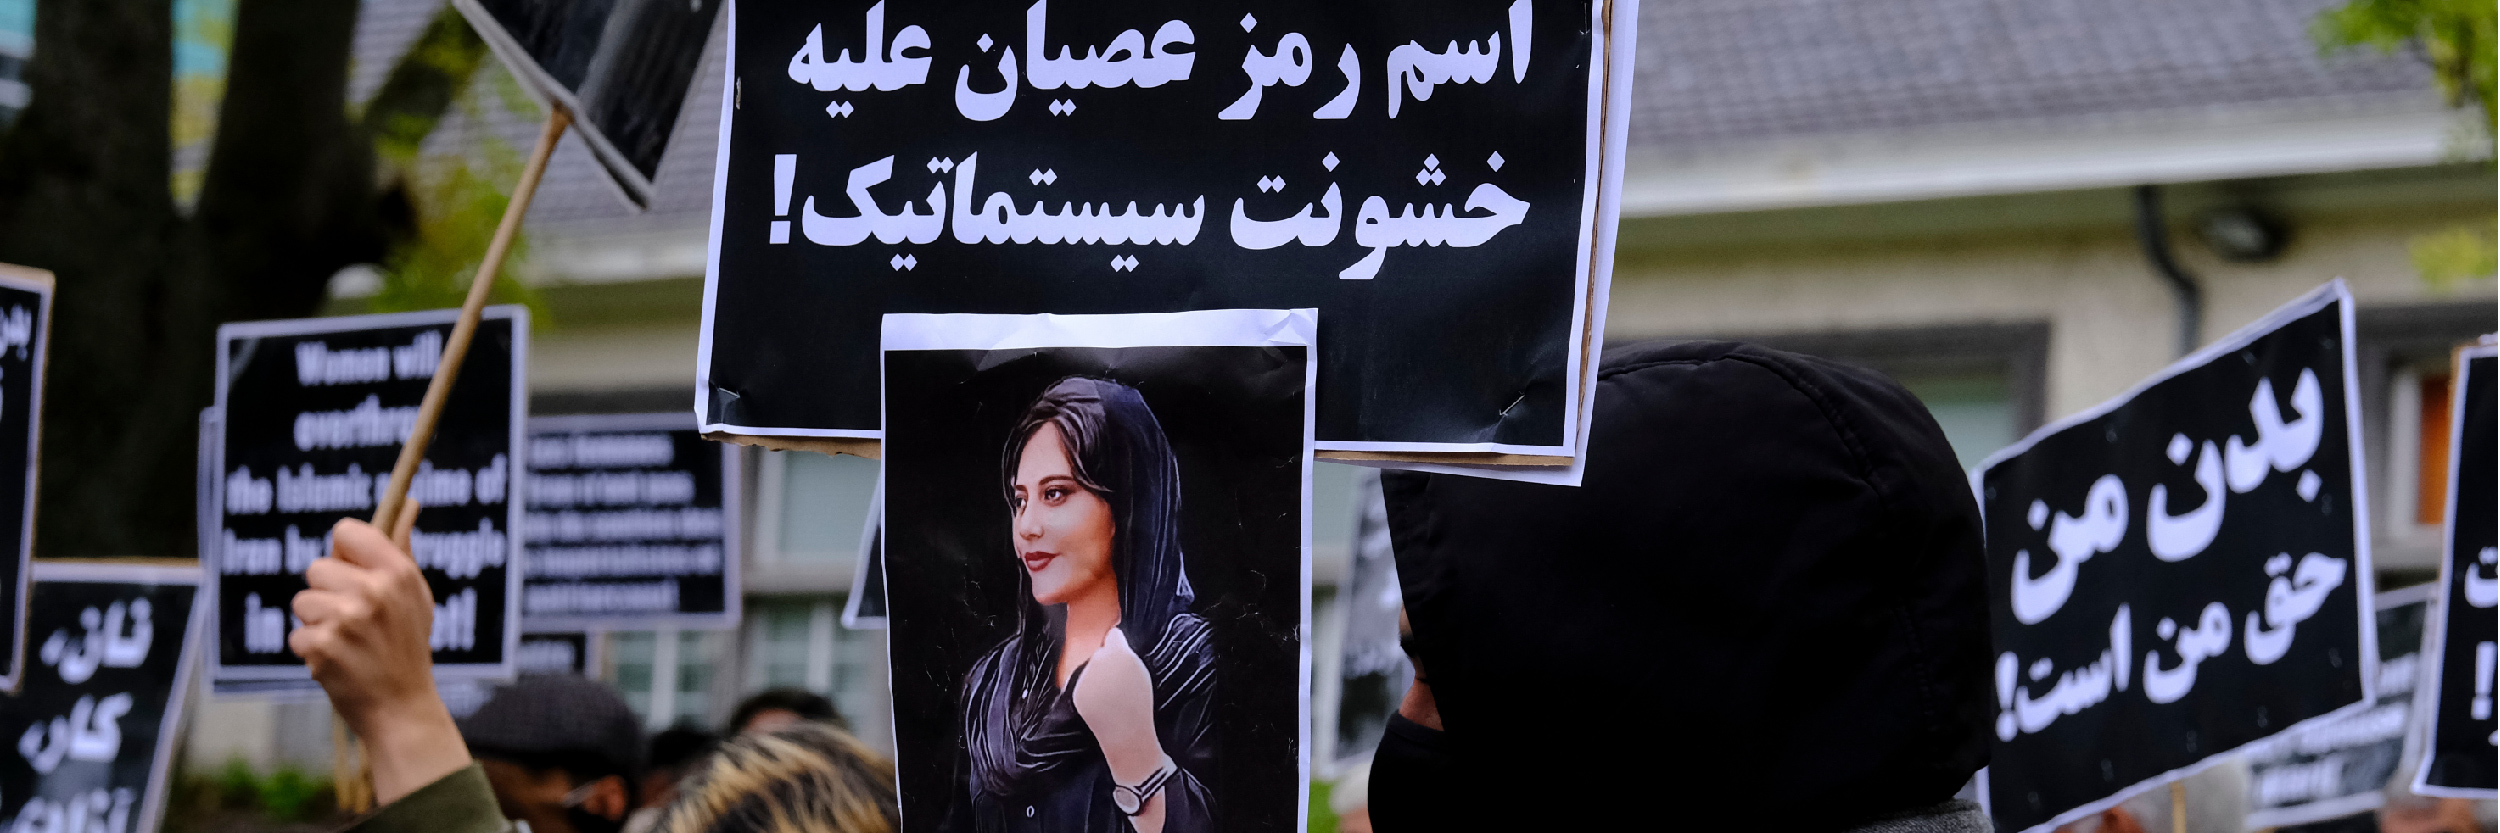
{"x": 2455, "y": 38}
{"x": 296, "y": 188}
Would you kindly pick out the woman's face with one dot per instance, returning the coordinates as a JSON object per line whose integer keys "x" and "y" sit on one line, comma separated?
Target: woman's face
{"x": 1062, "y": 530}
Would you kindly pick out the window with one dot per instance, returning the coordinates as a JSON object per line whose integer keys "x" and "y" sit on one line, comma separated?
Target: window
{"x": 797, "y": 642}
{"x": 815, "y": 507}
{"x": 2403, "y": 356}
{"x": 668, "y": 676}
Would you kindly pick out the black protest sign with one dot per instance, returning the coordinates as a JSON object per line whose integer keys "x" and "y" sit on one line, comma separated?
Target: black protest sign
{"x": 558, "y": 653}
{"x": 2179, "y": 572}
{"x": 2341, "y": 766}
{"x": 94, "y": 720}
{"x": 2461, "y": 750}
{"x": 633, "y": 521}
{"x": 1430, "y": 174}
{"x": 312, "y": 414}
{"x": 620, "y": 67}
{"x": 25, "y": 330}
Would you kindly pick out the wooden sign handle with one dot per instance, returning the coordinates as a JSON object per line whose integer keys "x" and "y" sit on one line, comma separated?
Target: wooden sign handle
{"x": 354, "y": 782}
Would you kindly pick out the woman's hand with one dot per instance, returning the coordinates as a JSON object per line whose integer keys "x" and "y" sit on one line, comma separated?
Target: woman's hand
{"x": 1117, "y": 700}
{"x": 368, "y": 617}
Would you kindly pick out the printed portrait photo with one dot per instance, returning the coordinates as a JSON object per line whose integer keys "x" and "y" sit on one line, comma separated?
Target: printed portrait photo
{"x": 1096, "y": 574}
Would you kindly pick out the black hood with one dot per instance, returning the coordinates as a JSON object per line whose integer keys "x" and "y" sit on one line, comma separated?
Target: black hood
{"x": 1765, "y": 598}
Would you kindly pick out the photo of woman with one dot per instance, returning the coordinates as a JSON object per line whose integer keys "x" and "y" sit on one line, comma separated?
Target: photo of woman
{"x": 1095, "y": 714}
{"x": 1096, "y": 572}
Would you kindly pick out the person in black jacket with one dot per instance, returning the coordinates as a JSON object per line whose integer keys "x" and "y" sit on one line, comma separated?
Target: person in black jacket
{"x": 1095, "y": 715}
{"x": 1763, "y": 602}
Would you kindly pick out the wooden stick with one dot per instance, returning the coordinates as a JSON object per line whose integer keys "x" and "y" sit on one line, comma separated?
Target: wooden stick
{"x": 456, "y": 348}
{"x": 353, "y": 782}
{"x": 2178, "y": 807}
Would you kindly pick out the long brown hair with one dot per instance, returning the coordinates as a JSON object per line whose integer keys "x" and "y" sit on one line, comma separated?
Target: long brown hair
{"x": 807, "y": 778}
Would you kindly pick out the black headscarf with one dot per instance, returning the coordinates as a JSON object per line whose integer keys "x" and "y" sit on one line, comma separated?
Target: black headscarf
{"x": 1118, "y": 451}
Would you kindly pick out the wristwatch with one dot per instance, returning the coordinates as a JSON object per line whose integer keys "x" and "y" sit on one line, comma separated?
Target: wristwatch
{"x": 1132, "y": 800}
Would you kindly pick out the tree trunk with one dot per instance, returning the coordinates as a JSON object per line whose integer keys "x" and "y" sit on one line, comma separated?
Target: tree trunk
{"x": 290, "y": 197}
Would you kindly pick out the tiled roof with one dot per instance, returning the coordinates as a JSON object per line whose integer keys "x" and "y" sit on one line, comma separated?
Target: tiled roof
{"x": 1716, "y": 72}
{"x": 1711, "y": 73}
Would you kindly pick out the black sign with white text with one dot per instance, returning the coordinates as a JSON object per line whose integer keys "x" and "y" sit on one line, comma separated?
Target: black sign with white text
{"x": 621, "y": 67}
{"x": 312, "y": 413}
{"x": 632, "y": 521}
{"x": 2340, "y": 767}
{"x": 25, "y": 331}
{"x": 93, "y": 723}
{"x": 2461, "y": 749}
{"x": 2179, "y": 572}
{"x": 1414, "y": 169}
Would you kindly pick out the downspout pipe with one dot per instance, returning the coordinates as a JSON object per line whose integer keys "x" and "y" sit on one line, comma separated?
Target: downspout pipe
{"x": 2152, "y": 233}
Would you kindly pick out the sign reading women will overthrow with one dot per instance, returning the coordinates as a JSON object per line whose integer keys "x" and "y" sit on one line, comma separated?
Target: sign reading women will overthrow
{"x": 312, "y": 413}
{"x": 1437, "y": 178}
{"x": 2179, "y": 572}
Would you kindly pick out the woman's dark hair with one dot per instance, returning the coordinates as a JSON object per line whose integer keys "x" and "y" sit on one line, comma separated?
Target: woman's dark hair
{"x": 1117, "y": 450}
{"x": 808, "y": 705}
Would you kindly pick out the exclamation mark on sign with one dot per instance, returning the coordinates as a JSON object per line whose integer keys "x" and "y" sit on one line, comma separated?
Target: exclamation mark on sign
{"x": 785, "y": 166}
{"x": 2482, "y": 681}
{"x": 2006, "y": 665}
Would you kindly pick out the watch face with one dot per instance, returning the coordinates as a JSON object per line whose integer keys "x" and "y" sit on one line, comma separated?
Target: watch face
{"x": 1125, "y": 799}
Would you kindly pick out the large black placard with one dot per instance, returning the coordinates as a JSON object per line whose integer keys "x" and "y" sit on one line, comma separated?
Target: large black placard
{"x": 312, "y": 414}
{"x": 2341, "y": 767}
{"x": 2459, "y": 756}
{"x": 1426, "y": 173}
{"x": 25, "y": 330}
{"x": 621, "y": 67}
{"x": 633, "y": 521}
{"x": 93, "y": 724}
{"x": 2179, "y": 572}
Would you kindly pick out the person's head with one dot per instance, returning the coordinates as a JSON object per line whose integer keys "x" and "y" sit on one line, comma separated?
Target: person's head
{"x": 1093, "y": 498}
{"x": 806, "y": 778}
{"x": 673, "y": 751}
{"x": 778, "y": 708}
{"x": 562, "y": 753}
{"x": 1772, "y": 564}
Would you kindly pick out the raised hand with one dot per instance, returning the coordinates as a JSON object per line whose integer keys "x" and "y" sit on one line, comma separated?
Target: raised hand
{"x": 1117, "y": 700}
{"x": 367, "y": 617}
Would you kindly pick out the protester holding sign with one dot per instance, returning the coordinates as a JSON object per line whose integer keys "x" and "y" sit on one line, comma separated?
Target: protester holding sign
{"x": 1762, "y": 603}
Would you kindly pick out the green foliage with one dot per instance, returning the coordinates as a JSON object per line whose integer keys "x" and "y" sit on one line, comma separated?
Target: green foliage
{"x": 422, "y": 85}
{"x": 459, "y": 201}
{"x": 237, "y": 793}
{"x": 2454, "y": 36}
{"x": 2456, "y": 255}
{"x": 1323, "y": 819}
